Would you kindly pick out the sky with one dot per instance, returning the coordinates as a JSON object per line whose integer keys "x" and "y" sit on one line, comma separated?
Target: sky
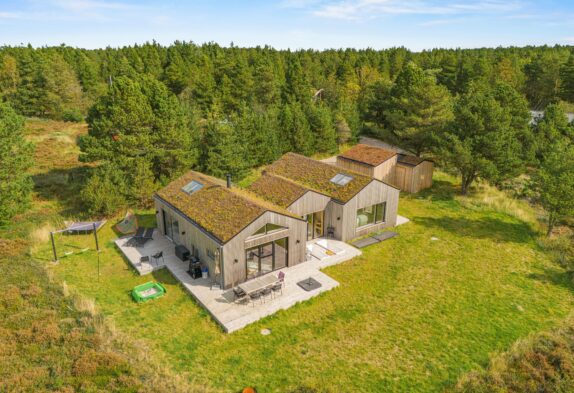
{"x": 295, "y": 24}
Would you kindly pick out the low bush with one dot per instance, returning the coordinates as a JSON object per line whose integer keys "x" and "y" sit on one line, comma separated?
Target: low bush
{"x": 543, "y": 362}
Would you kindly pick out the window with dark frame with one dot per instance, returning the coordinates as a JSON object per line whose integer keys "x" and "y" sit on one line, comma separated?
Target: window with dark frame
{"x": 267, "y": 229}
{"x": 370, "y": 215}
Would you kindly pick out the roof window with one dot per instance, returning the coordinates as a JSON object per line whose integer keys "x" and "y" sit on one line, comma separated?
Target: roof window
{"x": 192, "y": 187}
{"x": 341, "y": 179}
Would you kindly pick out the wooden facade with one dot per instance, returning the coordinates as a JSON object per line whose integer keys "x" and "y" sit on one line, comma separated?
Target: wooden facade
{"x": 413, "y": 178}
{"x": 384, "y": 171}
{"x": 271, "y": 237}
{"x": 234, "y": 256}
{"x": 343, "y": 217}
{"x": 232, "y": 253}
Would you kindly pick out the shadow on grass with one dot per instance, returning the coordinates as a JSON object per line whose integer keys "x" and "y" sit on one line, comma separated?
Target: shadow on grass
{"x": 441, "y": 190}
{"x": 485, "y": 228}
{"x": 555, "y": 276}
{"x": 62, "y": 185}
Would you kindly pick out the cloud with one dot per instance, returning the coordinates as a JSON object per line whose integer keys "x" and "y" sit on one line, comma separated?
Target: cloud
{"x": 369, "y": 9}
{"x": 89, "y": 5}
{"x": 10, "y": 15}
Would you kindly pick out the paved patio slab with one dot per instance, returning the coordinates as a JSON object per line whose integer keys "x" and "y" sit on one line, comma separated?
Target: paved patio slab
{"x": 220, "y": 303}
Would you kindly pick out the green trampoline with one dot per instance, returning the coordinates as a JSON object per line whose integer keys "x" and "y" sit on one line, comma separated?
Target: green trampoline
{"x": 149, "y": 290}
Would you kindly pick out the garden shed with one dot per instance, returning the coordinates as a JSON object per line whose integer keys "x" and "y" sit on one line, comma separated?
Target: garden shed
{"x": 408, "y": 173}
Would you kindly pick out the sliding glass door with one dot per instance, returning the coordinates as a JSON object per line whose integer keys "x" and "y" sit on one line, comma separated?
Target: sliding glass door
{"x": 266, "y": 257}
{"x": 171, "y": 227}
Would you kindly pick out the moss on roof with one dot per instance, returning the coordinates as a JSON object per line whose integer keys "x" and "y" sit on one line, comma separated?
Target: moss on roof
{"x": 410, "y": 160}
{"x": 280, "y": 191}
{"x": 316, "y": 175}
{"x": 366, "y": 154}
{"x": 221, "y": 211}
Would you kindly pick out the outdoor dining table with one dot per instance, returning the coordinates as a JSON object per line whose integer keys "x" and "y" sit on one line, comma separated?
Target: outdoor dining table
{"x": 258, "y": 283}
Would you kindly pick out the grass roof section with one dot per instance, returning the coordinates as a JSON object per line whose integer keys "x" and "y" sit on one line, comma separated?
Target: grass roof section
{"x": 410, "y": 160}
{"x": 276, "y": 189}
{"x": 221, "y": 211}
{"x": 366, "y": 154}
{"x": 316, "y": 176}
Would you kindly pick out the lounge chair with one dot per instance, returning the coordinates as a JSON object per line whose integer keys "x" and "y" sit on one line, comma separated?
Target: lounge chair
{"x": 139, "y": 232}
{"x": 145, "y": 236}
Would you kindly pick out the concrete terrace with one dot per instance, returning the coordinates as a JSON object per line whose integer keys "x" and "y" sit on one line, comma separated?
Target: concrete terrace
{"x": 220, "y": 303}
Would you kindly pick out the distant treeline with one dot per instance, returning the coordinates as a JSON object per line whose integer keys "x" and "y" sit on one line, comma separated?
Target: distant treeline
{"x": 62, "y": 82}
{"x": 154, "y": 111}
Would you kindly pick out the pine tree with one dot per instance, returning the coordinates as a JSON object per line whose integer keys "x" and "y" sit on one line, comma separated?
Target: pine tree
{"x": 552, "y": 128}
{"x": 418, "y": 109}
{"x": 321, "y": 122}
{"x": 223, "y": 150}
{"x": 16, "y": 157}
{"x": 139, "y": 120}
{"x": 294, "y": 123}
{"x": 554, "y": 183}
{"x": 481, "y": 141}
{"x": 567, "y": 80}
{"x": 9, "y": 76}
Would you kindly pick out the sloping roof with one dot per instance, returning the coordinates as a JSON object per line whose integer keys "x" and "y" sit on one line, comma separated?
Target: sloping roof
{"x": 221, "y": 211}
{"x": 316, "y": 176}
{"x": 276, "y": 189}
{"x": 366, "y": 154}
{"x": 410, "y": 160}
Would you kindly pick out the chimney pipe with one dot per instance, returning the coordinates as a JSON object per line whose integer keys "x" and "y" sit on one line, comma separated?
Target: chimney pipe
{"x": 228, "y": 177}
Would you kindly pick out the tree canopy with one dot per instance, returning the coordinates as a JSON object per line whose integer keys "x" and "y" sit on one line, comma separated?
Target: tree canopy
{"x": 483, "y": 139}
{"x": 16, "y": 157}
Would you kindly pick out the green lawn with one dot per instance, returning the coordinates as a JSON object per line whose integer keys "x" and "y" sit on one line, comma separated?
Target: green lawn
{"x": 411, "y": 314}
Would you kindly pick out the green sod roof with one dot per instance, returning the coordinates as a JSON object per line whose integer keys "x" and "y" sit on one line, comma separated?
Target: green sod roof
{"x": 221, "y": 211}
{"x": 316, "y": 175}
{"x": 278, "y": 190}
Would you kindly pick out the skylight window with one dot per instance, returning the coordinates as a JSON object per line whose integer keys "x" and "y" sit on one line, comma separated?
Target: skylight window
{"x": 192, "y": 187}
{"x": 341, "y": 179}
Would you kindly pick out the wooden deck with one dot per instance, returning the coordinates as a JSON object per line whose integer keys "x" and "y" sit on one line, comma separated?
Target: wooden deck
{"x": 219, "y": 303}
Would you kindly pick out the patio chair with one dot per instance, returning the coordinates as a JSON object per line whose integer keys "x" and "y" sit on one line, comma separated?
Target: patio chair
{"x": 267, "y": 291}
{"x": 239, "y": 295}
{"x": 143, "y": 259}
{"x": 281, "y": 278}
{"x": 155, "y": 257}
{"x": 277, "y": 287}
{"x": 253, "y": 296}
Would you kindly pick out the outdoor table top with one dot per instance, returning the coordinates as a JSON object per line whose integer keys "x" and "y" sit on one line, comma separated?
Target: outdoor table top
{"x": 258, "y": 283}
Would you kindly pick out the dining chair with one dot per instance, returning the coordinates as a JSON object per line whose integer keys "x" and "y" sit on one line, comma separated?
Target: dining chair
{"x": 253, "y": 296}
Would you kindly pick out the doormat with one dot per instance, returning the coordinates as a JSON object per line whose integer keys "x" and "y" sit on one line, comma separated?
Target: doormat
{"x": 309, "y": 284}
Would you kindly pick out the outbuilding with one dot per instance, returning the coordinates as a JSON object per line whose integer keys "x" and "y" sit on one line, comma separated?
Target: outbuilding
{"x": 408, "y": 173}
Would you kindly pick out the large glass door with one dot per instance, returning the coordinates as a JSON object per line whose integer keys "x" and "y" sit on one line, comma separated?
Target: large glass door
{"x": 318, "y": 224}
{"x": 315, "y": 225}
{"x": 171, "y": 227}
{"x": 266, "y": 257}
{"x": 175, "y": 231}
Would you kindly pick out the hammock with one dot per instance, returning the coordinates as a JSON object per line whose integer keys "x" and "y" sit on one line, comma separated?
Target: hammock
{"x": 128, "y": 225}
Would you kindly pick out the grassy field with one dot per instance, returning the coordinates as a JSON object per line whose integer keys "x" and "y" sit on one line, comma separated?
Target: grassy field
{"x": 52, "y": 339}
{"x": 411, "y": 314}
